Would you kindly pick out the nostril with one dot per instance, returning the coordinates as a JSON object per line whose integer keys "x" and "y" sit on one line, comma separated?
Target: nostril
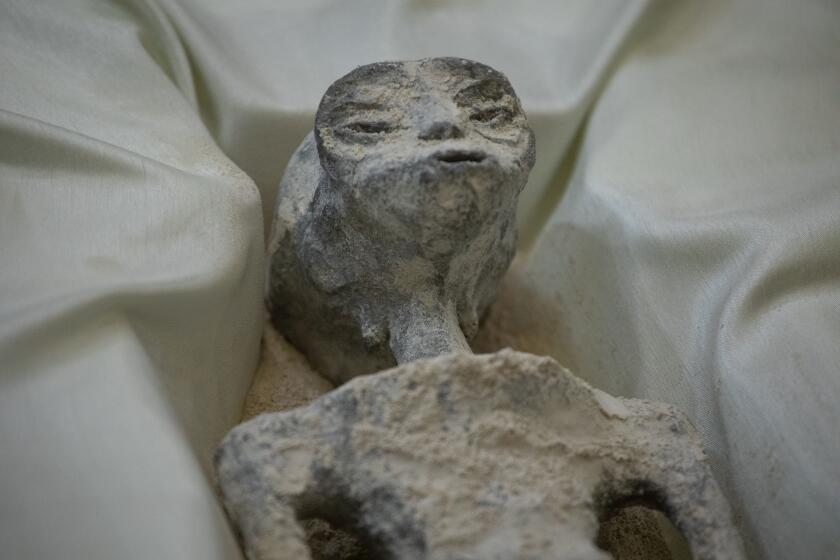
{"x": 459, "y": 156}
{"x": 441, "y": 130}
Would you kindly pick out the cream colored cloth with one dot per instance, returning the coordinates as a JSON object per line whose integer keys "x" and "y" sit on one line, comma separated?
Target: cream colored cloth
{"x": 131, "y": 262}
{"x": 693, "y": 258}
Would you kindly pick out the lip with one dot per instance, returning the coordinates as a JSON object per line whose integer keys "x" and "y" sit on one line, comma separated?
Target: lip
{"x": 456, "y": 156}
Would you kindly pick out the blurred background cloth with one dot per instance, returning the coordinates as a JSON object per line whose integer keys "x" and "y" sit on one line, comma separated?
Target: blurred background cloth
{"x": 680, "y": 237}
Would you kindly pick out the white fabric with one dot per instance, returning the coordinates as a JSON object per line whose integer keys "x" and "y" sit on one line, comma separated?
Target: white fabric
{"x": 693, "y": 259}
{"x": 264, "y": 68}
{"x": 130, "y": 277}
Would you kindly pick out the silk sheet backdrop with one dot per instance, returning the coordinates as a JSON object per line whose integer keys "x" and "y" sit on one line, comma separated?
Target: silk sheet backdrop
{"x": 682, "y": 229}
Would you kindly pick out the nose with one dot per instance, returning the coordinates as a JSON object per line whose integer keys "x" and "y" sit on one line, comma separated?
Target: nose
{"x": 441, "y": 129}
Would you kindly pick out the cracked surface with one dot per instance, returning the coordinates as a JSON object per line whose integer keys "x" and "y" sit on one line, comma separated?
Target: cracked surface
{"x": 395, "y": 217}
{"x": 500, "y": 456}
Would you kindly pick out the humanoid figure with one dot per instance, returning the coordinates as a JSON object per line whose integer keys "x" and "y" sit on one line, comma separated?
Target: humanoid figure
{"x": 395, "y": 219}
{"x": 394, "y": 225}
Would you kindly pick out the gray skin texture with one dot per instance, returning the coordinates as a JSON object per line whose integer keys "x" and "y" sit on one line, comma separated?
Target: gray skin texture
{"x": 395, "y": 217}
{"x": 504, "y": 456}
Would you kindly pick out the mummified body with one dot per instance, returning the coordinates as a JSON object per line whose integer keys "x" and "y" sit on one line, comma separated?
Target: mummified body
{"x": 394, "y": 225}
{"x": 395, "y": 218}
{"x": 503, "y": 456}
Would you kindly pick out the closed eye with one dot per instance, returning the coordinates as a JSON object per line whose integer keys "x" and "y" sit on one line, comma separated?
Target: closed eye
{"x": 365, "y": 127}
{"x": 494, "y": 115}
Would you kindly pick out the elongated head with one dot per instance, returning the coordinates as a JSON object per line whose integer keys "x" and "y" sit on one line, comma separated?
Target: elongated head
{"x": 431, "y": 150}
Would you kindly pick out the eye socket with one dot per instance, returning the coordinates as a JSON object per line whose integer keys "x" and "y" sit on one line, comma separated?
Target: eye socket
{"x": 364, "y": 127}
{"x": 493, "y": 115}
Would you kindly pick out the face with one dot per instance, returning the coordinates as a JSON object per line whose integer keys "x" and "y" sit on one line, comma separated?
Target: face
{"x": 431, "y": 150}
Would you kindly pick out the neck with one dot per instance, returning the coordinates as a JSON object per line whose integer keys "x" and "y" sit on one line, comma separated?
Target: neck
{"x": 425, "y": 329}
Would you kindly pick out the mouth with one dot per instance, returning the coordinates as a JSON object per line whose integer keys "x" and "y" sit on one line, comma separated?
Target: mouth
{"x": 459, "y": 156}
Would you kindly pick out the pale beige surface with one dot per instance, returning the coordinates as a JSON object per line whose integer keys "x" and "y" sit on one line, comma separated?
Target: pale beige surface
{"x": 284, "y": 378}
{"x": 495, "y": 456}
